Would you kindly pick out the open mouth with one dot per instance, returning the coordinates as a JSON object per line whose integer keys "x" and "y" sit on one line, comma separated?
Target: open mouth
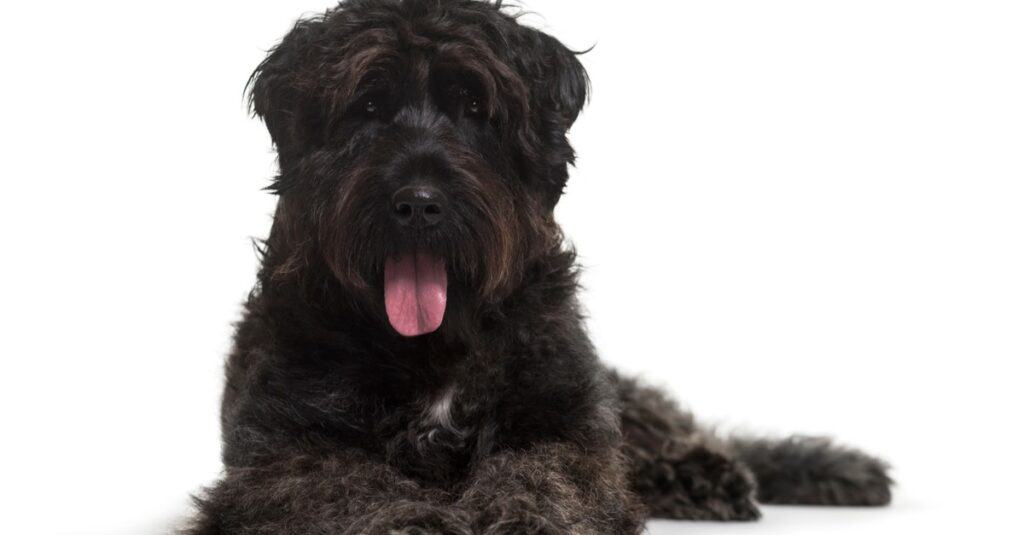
{"x": 415, "y": 292}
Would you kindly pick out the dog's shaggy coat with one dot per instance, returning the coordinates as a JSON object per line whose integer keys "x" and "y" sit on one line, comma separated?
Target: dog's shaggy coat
{"x": 502, "y": 420}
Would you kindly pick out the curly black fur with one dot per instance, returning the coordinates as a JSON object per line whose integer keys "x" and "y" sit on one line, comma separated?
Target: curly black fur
{"x": 503, "y": 420}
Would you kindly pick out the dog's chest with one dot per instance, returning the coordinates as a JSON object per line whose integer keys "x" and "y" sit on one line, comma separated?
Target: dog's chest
{"x": 441, "y": 423}
{"x": 438, "y": 413}
{"x": 437, "y": 438}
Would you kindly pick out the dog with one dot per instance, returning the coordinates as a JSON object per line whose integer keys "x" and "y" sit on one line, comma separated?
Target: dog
{"x": 413, "y": 358}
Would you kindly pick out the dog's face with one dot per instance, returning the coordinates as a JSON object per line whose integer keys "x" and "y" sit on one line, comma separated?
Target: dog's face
{"x": 422, "y": 150}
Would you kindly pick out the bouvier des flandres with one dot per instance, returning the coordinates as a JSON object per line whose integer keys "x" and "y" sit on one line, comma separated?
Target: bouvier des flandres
{"x": 413, "y": 358}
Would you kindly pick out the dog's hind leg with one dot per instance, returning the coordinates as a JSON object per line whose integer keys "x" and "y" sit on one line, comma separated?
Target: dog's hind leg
{"x": 683, "y": 472}
{"x": 679, "y": 471}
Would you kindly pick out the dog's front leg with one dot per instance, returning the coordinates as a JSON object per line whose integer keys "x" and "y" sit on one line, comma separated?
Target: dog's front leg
{"x": 555, "y": 488}
{"x": 346, "y": 493}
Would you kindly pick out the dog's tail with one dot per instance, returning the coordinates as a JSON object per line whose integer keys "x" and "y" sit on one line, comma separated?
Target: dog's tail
{"x": 813, "y": 471}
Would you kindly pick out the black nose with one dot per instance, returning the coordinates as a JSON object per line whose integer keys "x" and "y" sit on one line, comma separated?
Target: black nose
{"x": 418, "y": 206}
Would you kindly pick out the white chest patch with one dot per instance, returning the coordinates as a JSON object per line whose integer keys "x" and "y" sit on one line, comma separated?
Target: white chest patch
{"x": 439, "y": 412}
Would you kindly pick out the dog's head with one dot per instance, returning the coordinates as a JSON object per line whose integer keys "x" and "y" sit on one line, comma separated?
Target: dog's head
{"x": 422, "y": 149}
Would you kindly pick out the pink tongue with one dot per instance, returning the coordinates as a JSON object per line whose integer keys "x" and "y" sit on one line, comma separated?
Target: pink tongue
{"x": 415, "y": 293}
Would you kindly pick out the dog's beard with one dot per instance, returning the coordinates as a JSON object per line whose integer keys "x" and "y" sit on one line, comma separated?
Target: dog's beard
{"x": 432, "y": 280}
{"x": 415, "y": 292}
{"x": 417, "y": 280}
{"x": 432, "y": 285}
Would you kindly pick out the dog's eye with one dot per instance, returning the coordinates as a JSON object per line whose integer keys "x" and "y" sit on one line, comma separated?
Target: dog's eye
{"x": 470, "y": 101}
{"x": 371, "y": 106}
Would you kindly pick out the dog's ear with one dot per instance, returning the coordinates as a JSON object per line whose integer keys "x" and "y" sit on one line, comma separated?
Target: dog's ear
{"x": 280, "y": 87}
{"x": 561, "y": 81}
{"x": 558, "y": 86}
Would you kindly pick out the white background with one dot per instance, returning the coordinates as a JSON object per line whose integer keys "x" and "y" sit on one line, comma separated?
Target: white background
{"x": 797, "y": 215}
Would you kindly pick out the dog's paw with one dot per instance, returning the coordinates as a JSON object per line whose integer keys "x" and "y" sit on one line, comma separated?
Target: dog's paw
{"x": 513, "y": 517}
{"x": 701, "y": 484}
{"x": 433, "y": 528}
{"x": 414, "y": 518}
{"x": 418, "y": 530}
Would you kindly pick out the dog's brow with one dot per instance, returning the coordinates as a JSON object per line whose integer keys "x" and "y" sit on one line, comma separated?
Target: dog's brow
{"x": 374, "y": 81}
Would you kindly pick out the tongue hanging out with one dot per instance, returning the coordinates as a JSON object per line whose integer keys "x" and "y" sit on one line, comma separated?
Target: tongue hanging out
{"x": 415, "y": 293}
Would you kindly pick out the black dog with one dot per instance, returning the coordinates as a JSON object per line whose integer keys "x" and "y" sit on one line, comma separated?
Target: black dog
{"x": 413, "y": 359}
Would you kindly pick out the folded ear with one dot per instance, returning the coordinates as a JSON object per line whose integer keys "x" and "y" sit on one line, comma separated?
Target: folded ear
{"x": 558, "y": 88}
{"x": 282, "y": 87}
{"x": 563, "y": 82}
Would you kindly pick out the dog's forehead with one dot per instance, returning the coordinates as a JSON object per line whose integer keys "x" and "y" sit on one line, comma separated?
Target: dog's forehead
{"x": 409, "y": 48}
